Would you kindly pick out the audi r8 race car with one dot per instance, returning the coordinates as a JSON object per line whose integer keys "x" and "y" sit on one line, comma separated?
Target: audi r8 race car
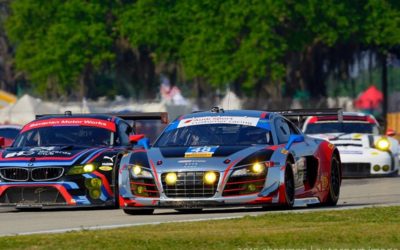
{"x": 68, "y": 160}
{"x": 363, "y": 151}
{"x": 230, "y": 158}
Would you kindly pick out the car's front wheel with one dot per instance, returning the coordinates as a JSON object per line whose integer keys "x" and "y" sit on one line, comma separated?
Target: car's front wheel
{"x": 289, "y": 186}
{"x": 334, "y": 183}
{"x": 139, "y": 211}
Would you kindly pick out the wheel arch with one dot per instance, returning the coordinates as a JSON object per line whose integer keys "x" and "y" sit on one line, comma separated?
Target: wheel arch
{"x": 337, "y": 155}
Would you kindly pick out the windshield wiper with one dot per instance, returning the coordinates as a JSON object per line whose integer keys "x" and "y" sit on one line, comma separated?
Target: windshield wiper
{"x": 338, "y": 136}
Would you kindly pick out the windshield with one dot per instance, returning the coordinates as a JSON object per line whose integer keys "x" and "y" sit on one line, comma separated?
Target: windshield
{"x": 64, "y": 135}
{"x": 214, "y": 134}
{"x": 341, "y": 127}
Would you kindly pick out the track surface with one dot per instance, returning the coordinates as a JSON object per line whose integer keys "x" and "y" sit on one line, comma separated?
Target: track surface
{"x": 354, "y": 193}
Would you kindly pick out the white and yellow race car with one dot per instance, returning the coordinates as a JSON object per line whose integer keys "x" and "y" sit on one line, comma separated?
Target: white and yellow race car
{"x": 364, "y": 152}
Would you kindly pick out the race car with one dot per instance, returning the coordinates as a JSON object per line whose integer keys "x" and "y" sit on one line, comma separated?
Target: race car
{"x": 8, "y": 134}
{"x": 363, "y": 150}
{"x": 223, "y": 158}
{"x": 68, "y": 160}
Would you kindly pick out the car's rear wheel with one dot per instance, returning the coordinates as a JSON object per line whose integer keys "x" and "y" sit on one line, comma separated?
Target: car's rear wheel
{"x": 189, "y": 210}
{"x": 334, "y": 183}
{"x": 289, "y": 186}
{"x": 139, "y": 211}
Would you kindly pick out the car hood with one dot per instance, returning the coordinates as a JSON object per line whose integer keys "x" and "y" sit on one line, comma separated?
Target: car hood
{"x": 341, "y": 139}
{"x": 55, "y": 155}
{"x": 218, "y": 158}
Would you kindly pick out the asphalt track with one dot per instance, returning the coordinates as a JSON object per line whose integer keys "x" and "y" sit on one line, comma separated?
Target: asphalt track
{"x": 355, "y": 193}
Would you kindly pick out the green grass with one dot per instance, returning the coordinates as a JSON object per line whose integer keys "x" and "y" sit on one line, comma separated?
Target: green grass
{"x": 361, "y": 228}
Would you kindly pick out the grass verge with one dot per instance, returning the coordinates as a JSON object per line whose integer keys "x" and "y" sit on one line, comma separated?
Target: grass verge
{"x": 368, "y": 228}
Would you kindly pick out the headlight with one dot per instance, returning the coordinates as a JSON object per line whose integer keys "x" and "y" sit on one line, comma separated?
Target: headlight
{"x": 210, "y": 178}
{"x": 171, "y": 178}
{"x": 258, "y": 168}
{"x": 140, "y": 172}
{"x": 88, "y": 168}
{"x": 382, "y": 144}
{"x": 82, "y": 169}
{"x": 136, "y": 169}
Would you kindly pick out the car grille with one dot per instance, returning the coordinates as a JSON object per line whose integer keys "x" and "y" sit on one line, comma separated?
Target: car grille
{"x": 35, "y": 174}
{"x": 32, "y": 195}
{"x": 190, "y": 185}
{"x": 14, "y": 174}
{"x": 46, "y": 174}
{"x": 356, "y": 169}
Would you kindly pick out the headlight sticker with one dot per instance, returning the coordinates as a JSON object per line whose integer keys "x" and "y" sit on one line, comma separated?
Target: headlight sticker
{"x": 199, "y": 152}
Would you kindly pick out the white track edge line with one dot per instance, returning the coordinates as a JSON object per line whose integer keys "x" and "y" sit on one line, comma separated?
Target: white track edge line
{"x": 77, "y": 229}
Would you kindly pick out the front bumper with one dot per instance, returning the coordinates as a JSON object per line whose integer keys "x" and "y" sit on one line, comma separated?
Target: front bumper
{"x": 252, "y": 200}
{"x": 71, "y": 192}
{"x": 168, "y": 198}
{"x": 361, "y": 162}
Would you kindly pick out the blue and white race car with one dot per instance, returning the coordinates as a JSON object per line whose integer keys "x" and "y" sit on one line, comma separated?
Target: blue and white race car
{"x": 229, "y": 158}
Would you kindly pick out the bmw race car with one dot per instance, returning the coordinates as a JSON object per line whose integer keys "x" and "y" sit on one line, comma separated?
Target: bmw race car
{"x": 230, "y": 158}
{"x": 68, "y": 160}
{"x": 363, "y": 151}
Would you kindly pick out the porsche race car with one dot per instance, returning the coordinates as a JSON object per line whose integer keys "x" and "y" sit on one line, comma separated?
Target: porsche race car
{"x": 230, "y": 158}
{"x": 363, "y": 150}
{"x": 68, "y": 160}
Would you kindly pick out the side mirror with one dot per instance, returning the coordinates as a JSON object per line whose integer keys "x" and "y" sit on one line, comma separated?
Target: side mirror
{"x": 293, "y": 139}
{"x": 390, "y": 132}
{"x": 145, "y": 143}
{"x": 2, "y": 142}
{"x": 135, "y": 138}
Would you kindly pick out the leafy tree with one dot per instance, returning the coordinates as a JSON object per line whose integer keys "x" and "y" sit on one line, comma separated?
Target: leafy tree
{"x": 258, "y": 46}
{"x": 60, "y": 44}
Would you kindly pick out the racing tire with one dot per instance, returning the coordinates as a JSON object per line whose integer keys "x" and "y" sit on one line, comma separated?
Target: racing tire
{"x": 116, "y": 185}
{"x": 189, "y": 210}
{"x": 139, "y": 211}
{"x": 289, "y": 186}
{"x": 334, "y": 183}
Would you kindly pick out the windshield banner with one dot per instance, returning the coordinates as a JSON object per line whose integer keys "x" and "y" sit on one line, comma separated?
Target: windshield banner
{"x": 89, "y": 122}
{"x": 238, "y": 120}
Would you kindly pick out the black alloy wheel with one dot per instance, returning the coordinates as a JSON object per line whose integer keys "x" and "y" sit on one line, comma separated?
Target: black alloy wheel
{"x": 289, "y": 185}
{"x": 334, "y": 184}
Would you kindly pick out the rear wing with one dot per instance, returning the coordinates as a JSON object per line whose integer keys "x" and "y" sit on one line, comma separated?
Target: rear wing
{"x": 134, "y": 116}
{"x": 298, "y": 116}
{"x": 162, "y": 116}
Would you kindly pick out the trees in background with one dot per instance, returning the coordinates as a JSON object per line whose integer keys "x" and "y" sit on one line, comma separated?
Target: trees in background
{"x": 266, "y": 48}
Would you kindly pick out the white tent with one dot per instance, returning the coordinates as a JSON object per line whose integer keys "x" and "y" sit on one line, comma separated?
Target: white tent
{"x": 230, "y": 101}
{"x": 25, "y": 109}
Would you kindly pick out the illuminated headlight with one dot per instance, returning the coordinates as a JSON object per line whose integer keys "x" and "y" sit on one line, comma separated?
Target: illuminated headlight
{"x": 210, "y": 178}
{"x": 139, "y": 172}
{"x": 257, "y": 168}
{"x": 136, "y": 169}
{"x": 89, "y": 168}
{"x": 171, "y": 178}
{"x": 82, "y": 169}
{"x": 382, "y": 144}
